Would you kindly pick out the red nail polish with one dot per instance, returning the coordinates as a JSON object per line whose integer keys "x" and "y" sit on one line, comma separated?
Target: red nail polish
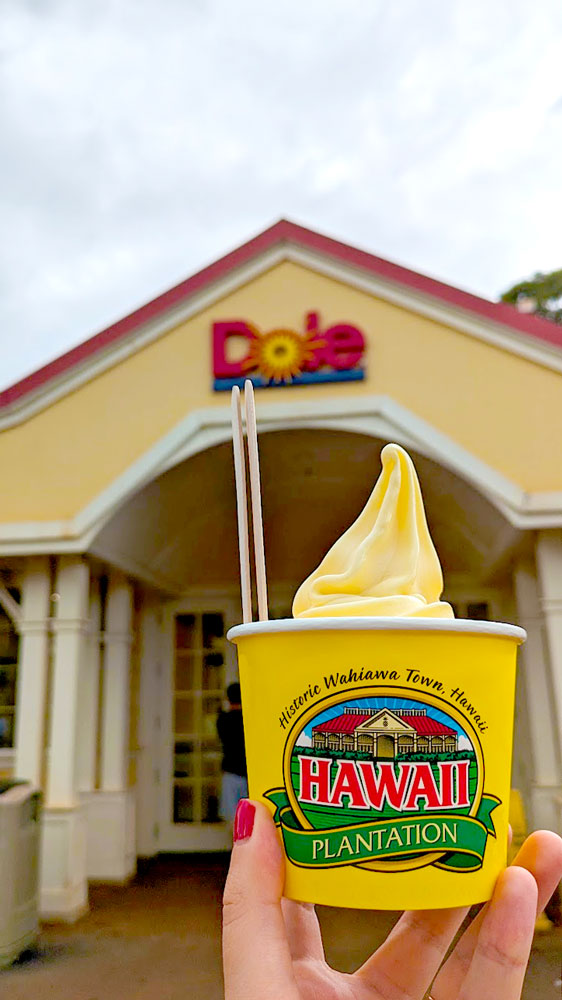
{"x": 244, "y": 820}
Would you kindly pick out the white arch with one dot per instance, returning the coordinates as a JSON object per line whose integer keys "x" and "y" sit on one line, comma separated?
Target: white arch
{"x": 376, "y": 416}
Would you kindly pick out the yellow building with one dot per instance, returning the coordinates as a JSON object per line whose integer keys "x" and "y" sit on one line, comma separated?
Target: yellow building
{"x": 118, "y": 534}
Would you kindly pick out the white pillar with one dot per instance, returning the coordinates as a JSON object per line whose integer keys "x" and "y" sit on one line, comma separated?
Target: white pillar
{"x": 88, "y": 708}
{"x": 541, "y": 760}
{"x": 148, "y": 764}
{"x": 549, "y": 570}
{"x": 116, "y": 685}
{"x": 32, "y": 670}
{"x": 549, "y": 574}
{"x": 69, "y": 645}
{"x": 63, "y": 863}
{"x": 111, "y": 808}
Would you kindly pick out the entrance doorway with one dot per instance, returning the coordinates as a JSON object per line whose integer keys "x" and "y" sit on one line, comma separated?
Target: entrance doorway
{"x": 385, "y": 746}
{"x": 191, "y": 765}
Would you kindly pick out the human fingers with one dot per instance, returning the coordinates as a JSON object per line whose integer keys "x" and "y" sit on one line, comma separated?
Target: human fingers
{"x": 406, "y": 964}
{"x": 541, "y": 855}
{"x": 303, "y": 931}
{"x": 500, "y": 958}
{"x": 256, "y": 955}
{"x": 425, "y": 933}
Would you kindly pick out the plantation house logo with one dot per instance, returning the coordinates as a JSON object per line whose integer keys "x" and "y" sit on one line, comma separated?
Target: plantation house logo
{"x": 386, "y": 781}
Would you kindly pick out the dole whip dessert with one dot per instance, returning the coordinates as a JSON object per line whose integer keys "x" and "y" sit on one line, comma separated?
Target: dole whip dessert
{"x": 386, "y": 563}
{"x": 378, "y": 726}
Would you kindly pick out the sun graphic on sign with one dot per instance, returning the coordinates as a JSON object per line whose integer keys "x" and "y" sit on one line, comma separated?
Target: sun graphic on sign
{"x": 281, "y": 354}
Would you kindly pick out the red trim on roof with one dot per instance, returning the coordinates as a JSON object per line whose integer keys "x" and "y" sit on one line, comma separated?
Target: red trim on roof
{"x": 347, "y": 723}
{"x": 425, "y": 726}
{"x": 284, "y": 231}
{"x": 342, "y": 723}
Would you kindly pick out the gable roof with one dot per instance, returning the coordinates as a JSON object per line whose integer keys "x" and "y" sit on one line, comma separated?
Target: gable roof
{"x": 342, "y": 723}
{"x": 348, "y": 723}
{"x": 284, "y": 232}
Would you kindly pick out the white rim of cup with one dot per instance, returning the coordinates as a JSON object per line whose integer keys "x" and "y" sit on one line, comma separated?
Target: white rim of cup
{"x": 464, "y": 625}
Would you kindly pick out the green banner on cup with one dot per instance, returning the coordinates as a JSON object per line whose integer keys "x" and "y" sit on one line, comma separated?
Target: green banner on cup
{"x": 463, "y": 838}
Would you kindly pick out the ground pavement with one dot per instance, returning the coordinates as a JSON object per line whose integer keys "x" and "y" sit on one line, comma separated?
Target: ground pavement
{"x": 158, "y": 939}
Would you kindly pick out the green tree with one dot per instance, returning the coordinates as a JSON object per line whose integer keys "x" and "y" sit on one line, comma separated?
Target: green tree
{"x": 540, "y": 295}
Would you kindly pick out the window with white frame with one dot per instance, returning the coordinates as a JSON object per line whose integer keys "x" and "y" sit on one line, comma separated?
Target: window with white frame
{"x": 9, "y": 643}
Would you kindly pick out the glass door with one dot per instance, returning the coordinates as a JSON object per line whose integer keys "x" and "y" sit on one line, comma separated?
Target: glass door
{"x": 192, "y": 785}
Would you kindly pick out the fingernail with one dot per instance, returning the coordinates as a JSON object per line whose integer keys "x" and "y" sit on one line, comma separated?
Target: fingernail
{"x": 244, "y": 820}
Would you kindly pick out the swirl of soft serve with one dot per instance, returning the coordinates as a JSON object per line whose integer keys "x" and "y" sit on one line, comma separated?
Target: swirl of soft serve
{"x": 385, "y": 564}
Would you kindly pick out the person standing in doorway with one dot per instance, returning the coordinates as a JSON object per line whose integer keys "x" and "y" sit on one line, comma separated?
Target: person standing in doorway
{"x": 230, "y": 728}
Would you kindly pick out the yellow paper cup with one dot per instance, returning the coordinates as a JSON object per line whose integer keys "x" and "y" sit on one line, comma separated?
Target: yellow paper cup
{"x": 383, "y": 749}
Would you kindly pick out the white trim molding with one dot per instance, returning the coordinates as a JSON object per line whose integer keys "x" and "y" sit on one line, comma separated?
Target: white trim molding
{"x": 496, "y": 334}
{"x": 141, "y": 336}
{"x": 375, "y": 416}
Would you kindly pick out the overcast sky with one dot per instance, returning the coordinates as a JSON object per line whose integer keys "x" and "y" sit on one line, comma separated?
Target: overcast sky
{"x": 142, "y": 139}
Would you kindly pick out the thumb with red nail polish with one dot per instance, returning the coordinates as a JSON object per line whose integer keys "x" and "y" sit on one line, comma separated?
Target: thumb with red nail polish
{"x": 244, "y": 820}
{"x": 253, "y": 925}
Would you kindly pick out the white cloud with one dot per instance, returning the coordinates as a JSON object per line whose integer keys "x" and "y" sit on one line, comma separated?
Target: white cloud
{"x": 142, "y": 139}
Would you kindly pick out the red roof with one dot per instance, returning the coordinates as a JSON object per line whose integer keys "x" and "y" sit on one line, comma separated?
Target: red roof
{"x": 342, "y": 723}
{"x": 282, "y": 232}
{"x": 347, "y": 723}
{"x": 426, "y": 726}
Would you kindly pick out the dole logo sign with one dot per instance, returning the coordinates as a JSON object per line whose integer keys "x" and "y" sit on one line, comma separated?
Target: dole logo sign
{"x": 283, "y": 356}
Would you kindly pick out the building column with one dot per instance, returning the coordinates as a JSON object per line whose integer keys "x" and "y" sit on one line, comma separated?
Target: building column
{"x": 88, "y": 741}
{"x": 88, "y": 708}
{"x": 549, "y": 575}
{"x": 32, "y": 671}
{"x": 541, "y": 763}
{"x": 116, "y": 685}
{"x": 148, "y": 764}
{"x": 64, "y": 893}
{"x": 111, "y": 808}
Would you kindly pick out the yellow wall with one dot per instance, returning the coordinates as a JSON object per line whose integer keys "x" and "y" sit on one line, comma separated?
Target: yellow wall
{"x": 503, "y": 409}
